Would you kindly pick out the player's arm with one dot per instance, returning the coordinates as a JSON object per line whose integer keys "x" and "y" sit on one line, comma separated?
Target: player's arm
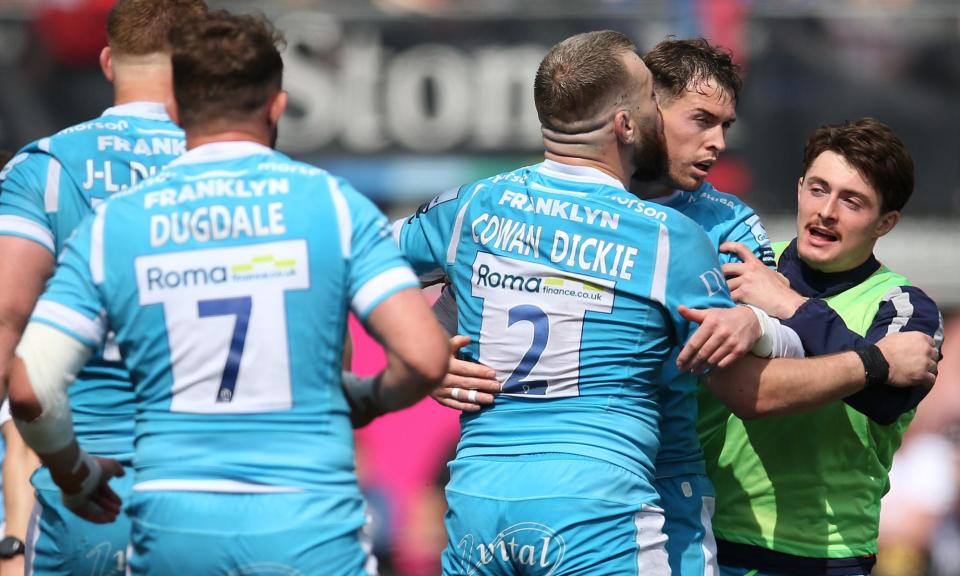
{"x": 65, "y": 329}
{"x": 26, "y": 245}
{"x": 904, "y": 309}
{"x": 757, "y": 387}
{"x": 386, "y": 298}
{"x": 19, "y": 462}
{"x": 416, "y": 349}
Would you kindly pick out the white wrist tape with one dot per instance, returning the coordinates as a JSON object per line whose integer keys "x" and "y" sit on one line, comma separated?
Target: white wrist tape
{"x": 763, "y": 347}
{"x": 52, "y": 361}
{"x": 776, "y": 340}
{"x": 79, "y": 499}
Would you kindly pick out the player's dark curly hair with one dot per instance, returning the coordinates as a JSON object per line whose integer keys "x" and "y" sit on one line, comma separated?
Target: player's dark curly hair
{"x": 225, "y": 67}
{"x": 874, "y": 150}
{"x": 681, "y": 65}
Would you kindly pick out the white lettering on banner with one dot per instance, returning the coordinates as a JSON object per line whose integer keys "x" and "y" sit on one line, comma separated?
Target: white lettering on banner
{"x": 349, "y": 89}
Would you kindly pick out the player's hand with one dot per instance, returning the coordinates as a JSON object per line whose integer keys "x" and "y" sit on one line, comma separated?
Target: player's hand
{"x": 724, "y": 335}
{"x": 468, "y": 386}
{"x": 912, "y": 357}
{"x": 752, "y": 282}
{"x": 94, "y": 500}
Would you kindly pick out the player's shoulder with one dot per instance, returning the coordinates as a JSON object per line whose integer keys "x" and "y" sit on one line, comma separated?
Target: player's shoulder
{"x": 722, "y": 204}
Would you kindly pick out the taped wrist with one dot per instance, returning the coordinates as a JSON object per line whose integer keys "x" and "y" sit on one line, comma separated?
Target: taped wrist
{"x": 776, "y": 340}
{"x": 52, "y": 359}
{"x": 763, "y": 347}
{"x": 80, "y": 499}
{"x": 875, "y": 366}
{"x": 363, "y": 397}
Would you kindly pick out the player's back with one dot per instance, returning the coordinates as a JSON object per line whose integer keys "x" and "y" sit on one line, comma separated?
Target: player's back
{"x": 724, "y": 218}
{"x": 569, "y": 286}
{"x": 48, "y": 189}
{"x": 226, "y": 281}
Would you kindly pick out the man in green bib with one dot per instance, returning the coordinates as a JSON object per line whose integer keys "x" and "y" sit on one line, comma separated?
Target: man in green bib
{"x": 800, "y": 495}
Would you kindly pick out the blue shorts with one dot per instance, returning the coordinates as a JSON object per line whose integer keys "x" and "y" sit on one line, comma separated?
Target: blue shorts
{"x": 289, "y": 534}
{"x": 688, "y": 504}
{"x": 61, "y": 543}
{"x": 533, "y": 516}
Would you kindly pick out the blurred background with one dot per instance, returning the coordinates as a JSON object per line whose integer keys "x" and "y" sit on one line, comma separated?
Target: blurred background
{"x": 407, "y": 98}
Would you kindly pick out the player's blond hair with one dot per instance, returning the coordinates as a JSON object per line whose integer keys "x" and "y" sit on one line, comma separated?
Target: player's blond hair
{"x": 579, "y": 76}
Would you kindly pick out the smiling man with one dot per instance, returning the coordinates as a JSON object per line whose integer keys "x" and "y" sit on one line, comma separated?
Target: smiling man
{"x": 800, "y": 495}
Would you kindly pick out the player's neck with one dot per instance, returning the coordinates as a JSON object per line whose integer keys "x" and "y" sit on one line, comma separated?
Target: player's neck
{"x": 146, "y": 82}
{"x": 237, "y": 133}
{"x": 591, "y": 144}
{"x": 650, "y": 190}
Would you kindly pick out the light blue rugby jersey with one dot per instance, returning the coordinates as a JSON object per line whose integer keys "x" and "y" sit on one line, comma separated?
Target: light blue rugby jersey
{"x": 569, "y": 287}
{"x": 227, "y": 279}
{"x": 47, "y": 190}
{"x": 725, "y": 218}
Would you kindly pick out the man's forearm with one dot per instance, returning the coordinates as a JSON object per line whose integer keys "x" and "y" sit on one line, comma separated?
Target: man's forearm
{"x": 19, "y": 463}
{"x": 756, "y": 387}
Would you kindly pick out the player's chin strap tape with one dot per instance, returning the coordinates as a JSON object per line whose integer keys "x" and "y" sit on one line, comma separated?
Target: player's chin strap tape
{"x": 776, "y": 340}
{"x": 52, "y": 361}
{"x": 363, "y": 396}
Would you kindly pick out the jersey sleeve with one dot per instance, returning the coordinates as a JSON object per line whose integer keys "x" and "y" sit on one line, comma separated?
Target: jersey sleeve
{"x": 377, "y": 270}
{"x": 747, "y": 229}
{"x": 427, "y": 238}
{"x": 904, "y": 308}
{"x": 72, "y": 302}
{"x": 693, "y": 279}
{"x": 25, "y": 183}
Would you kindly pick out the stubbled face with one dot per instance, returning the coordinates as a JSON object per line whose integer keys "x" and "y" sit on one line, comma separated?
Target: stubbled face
{"x": 695, "y": 127}
{"x": 650, "y": 151}
{"x": 838, "y": 215}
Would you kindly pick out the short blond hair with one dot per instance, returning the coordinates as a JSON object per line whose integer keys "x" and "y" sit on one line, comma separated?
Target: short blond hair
{"x": 579, "y": 76}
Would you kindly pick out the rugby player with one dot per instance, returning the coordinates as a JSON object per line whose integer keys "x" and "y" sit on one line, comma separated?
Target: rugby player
{"x": 562, "y": 277}
{"x": 227, "y": 279}
{"x": 47, "y": 189}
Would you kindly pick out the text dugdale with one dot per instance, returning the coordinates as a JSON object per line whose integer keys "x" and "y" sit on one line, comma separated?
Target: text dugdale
{"x": 217, "y": 222}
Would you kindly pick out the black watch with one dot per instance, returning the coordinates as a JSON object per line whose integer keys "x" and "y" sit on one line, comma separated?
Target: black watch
{"x": 11, "y": 546}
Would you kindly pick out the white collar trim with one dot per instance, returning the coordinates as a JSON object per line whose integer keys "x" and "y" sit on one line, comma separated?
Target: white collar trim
{"x": 221, "y": 151}
{"x": 148, "y": 110}
{"x": 579, "y": 173}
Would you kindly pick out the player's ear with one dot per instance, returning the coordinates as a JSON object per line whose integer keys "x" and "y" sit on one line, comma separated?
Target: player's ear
{"x": 106, "y": 63}
{"x": 170, "y": 103}
{"x": 886, "y": 223}
{"x": 276, "y": 107}
{"x": 625, "y": 127}
{"x": 799, "y": 186}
